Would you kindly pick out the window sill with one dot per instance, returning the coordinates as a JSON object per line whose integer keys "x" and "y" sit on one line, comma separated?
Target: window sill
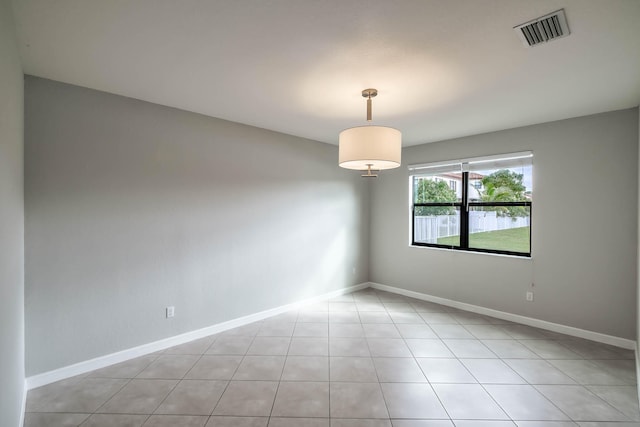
{"x": 458, "y": 251}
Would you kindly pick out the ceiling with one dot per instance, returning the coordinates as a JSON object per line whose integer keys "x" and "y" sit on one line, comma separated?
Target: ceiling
{"x": 443, "y": 68}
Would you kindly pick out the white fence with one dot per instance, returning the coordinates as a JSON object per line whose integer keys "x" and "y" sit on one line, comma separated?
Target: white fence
{"x": 428, "y": 229}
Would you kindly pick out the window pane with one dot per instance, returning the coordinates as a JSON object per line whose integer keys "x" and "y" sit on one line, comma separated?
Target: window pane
{"x": 437, "y": 225}
{"x": 443, "y": 188}
{"x": 500, "y": 228}
{"x": 509, "y": 184}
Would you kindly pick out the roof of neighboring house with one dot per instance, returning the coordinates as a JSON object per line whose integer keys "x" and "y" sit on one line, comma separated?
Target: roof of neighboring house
{"x": 458, "y": 175}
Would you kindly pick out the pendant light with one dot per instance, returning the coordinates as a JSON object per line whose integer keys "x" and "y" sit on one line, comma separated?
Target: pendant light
{"x": 369, "y": 148}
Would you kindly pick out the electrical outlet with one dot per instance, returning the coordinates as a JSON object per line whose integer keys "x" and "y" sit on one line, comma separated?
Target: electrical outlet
{"x": 529, "y": 296}
{"x": 171, "y": 311}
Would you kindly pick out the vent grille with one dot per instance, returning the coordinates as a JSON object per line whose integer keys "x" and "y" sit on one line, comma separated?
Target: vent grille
{"x": 544, "y": 29}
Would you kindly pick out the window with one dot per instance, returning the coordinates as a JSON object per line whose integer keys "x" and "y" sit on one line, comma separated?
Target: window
{"x": 489, "y": 212}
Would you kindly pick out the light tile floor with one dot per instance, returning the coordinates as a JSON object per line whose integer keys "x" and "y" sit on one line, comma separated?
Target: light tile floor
{"x": 367, "y": 359}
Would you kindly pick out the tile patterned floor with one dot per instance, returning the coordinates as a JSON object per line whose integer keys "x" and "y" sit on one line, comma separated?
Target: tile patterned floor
{"x": 367, "y": 359}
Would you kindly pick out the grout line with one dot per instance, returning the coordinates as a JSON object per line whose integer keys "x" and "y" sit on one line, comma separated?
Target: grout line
{"x": 375, "y": 369}
{"x": 113, "y": 395}
{"x": 583, "y": 356}
{"x": 232, "y": 375}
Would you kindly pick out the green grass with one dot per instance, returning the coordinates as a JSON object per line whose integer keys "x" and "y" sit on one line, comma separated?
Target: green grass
{"x": 512, "y": 239}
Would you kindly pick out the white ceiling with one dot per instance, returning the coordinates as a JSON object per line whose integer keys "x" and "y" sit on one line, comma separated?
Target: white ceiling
{"x": 443, "y": 68}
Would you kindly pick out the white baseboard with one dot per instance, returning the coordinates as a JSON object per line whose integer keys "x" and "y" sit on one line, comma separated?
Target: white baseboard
{"x": 23, "y": 406}
{"x": 638, "y": 371}
{"x": 542, "y": 324}
{"x": 124, "y": 355}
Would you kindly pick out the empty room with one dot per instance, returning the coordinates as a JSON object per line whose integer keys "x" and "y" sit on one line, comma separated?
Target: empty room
{"x": 299, "y": 213}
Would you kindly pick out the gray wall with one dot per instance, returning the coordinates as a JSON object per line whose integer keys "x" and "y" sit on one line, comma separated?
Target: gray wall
{"x": 584, "y": 267}
{"x": 131, "y": 207}
{"x": 11, "y": 223}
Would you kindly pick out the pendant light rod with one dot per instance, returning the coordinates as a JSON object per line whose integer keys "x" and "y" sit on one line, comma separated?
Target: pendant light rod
{"x": 369, "y": 174}
{"x": 369, "y": 93}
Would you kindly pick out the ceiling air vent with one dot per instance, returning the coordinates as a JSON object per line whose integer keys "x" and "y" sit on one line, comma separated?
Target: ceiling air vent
{"x": 544, "y": 29}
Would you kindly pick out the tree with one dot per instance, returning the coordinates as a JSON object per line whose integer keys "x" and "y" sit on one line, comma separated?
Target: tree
{"x": 505, "y": 186}
{"x": 430, "y": 191}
